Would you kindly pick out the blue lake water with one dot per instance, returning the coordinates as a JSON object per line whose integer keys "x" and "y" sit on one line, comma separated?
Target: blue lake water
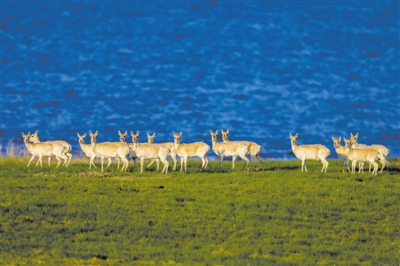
{"x": 260, "y": 69}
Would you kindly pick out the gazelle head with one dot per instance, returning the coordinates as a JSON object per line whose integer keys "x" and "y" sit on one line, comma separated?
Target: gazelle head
{"x": 225, "y": 135}
{"x": 336, "y": 142}
{"x": 122, "y": 136}
{"x": 93, "y": 136}
{"x": 34, "y": 137}
{"x": 81, "y": 139}
{"x": 347, "y": 142}
{"x": 177, "y": 137}
{"x": 26, "y": 137}
{"x": 293, "y": 139}
{"x": 150, "y": 138}
{"x": 214, "y": 136}
{"x": 135, "y": 137}
{"x": 354, "y": 138}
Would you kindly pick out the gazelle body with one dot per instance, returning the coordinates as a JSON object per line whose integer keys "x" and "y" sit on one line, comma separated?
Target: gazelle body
{"x": 169, "y": 145}
{"x": 188, "y": 150}
{"x": 341, "y": 151}
{"x": 382, "y": 150}
{"x": 35, "y": 139}
{"x": 44, "y": 149}
{"x": 254, "y": 148}
{"x": 149, "y": 151}
{"x": 109, "y": 150}
{"x": 361, "y": 155}
{"x": 310, "y": 152}
{"x": 233, "y": 149}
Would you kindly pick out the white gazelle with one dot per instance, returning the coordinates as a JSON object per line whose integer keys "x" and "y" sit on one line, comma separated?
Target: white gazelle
{"x": 383, "y": 151}
{"x": 109, "y": 150}
{"x": 341, "y": 151}
{"x": 233, "y": 149}
{"x": 41, "y": 150}
{"x": 35, "y": 139}
{"x": 188, "y": 150}
{"x": 361, "y": 155}
{"x": 310, "y": 152}
{"x": 254, "y": 148}
{"x": 149, "y": 151}
{"x": 170, "y": 146}
{"x": 88, "y": 151}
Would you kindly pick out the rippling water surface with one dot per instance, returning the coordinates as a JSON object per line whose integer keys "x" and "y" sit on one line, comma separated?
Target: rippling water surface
{"x": 262, "y": 70}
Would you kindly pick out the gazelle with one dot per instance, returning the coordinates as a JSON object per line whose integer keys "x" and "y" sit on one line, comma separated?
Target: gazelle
{"x": 341, "y": 151}
{"x": 149, "y": 151}
{"x": 383, "y": 151}
{"x": 310, "y": 152}
{"x": 35, "y": 139}
{"x": 44, "y": 149}
{"x": 109, "y": 150}
{"x": 87, "y": 150}
{"x": 187, "y": 150}
{"x": 233, "y": 149}
{"x": 254, "y": 148}
{"x": 170, "y": 146}
{"x": 361, "y": 155}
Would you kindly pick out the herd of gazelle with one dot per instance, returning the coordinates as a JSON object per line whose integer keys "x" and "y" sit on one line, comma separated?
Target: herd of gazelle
{"x": 123, "y": 152}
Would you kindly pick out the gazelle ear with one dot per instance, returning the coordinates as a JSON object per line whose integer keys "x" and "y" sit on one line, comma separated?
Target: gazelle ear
{"x": 148, "y": 135}
{"x": 340, "y": 138}
{"x": 211, "y": 131}
{"x": 333, "y": 138}
{"x": 216, "y": 132}
{"x": 90, "y": 132}
{"x": 297, "y": 134}
{"x": 22, "y": 133}
{"x": 126, "y": 132}
{"x": 290, "y": 135}
{"x": 131, "y": 133}
{"x": 38, "y": 132}
{"x": 119, "y": 132}
{"x": 357, "y": 135}
{"x": 78, "y": 135}
{"x": 180, "y": 134}
{"x": 97, "y": 132}
{"x": 227, "y": 131}
{"x": 154, "y": 135}
{"x": 137, "y": 133}
{"x": 351, "y": 134}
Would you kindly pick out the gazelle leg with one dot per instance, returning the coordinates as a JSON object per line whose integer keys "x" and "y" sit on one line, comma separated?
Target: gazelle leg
{"x": 233, "y": 162}
{"x": 33, "y": 156}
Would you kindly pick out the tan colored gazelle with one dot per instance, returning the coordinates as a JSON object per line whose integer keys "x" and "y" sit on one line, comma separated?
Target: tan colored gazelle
{"x": 149, "y": 151}
{"x": 254, "y": 148}
{"x": 361, "y": 155}
{"x": 44, "y": 149}
{"x": 35, "y": 139}
{"x": 310, "y": 152}
{"x": 109, "y": 150}
{"x": 170, "y": 146}
{"x": 233, "y": 149}
{"x": 187, "y": 150}
{"x": 341, "y": 151}
{"x": 383, "y": 151}
{"x": 88, "y": 151}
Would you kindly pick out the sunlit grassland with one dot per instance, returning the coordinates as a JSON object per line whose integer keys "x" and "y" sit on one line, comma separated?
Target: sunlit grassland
{"x": 75, "y": 216}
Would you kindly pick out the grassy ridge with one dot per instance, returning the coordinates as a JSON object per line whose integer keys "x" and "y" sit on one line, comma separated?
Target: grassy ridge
{"x": 281, "y": 215}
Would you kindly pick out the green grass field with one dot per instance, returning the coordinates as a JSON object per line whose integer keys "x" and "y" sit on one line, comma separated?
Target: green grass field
{"x": 64, "y": 216}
